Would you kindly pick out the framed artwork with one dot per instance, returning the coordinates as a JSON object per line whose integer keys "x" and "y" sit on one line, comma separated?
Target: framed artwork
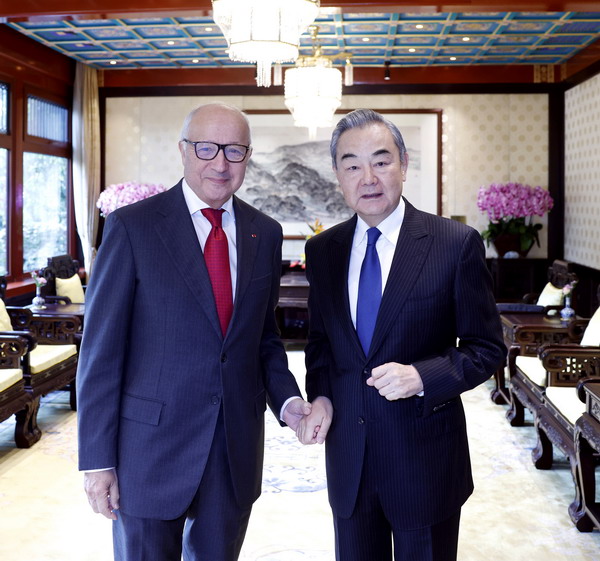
{"x": 290, "y": 176}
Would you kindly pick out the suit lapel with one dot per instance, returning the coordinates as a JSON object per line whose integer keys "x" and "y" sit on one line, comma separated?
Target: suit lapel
{"x": 338, "y": 265}
{"x": 411, "y": 252}
{"x": 175, "y": 228}
{"x": 247, "y": 240}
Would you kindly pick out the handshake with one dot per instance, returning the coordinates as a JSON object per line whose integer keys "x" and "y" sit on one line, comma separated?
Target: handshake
{"x": 311, "y": 421}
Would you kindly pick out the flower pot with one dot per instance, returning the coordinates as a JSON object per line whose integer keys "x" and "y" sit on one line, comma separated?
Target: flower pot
{"x": 510, "y": 242}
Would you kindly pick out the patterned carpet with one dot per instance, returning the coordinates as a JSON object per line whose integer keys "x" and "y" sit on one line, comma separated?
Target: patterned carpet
{"x": 516, "y": 512}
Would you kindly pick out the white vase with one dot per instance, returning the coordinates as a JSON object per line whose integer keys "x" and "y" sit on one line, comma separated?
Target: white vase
{"x": 38, "y": 302}
{"x": 567, "y": 312}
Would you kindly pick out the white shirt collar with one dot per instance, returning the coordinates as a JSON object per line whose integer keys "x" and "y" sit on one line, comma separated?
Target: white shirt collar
{"x": 195, "y": 203}
{"x": 389, "y": 228}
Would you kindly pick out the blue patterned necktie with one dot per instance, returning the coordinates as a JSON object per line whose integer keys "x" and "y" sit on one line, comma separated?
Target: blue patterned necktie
{"x": 369, "y": 292}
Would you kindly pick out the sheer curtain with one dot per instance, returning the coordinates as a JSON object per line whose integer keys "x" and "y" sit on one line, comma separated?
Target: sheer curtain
{"x": 86, "y": 159}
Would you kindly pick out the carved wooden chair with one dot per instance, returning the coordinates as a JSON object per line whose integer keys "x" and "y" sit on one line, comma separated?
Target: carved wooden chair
{"x": 48, "y": 347}
{"x": 62, "y": 280}
{"x": 14, "y": 397}
{"x": 547, "y": 303}
{"x": 547, "y": 385}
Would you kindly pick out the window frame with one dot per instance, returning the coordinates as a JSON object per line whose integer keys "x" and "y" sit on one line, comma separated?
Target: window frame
{"x": 17, "y": 141}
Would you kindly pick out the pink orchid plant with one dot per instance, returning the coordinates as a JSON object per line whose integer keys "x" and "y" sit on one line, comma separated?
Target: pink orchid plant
{"x": 121, "y": 194}
{"x": 511, "y": 208}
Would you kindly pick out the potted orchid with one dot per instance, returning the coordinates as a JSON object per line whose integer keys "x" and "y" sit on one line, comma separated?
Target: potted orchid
{"x": 121, "y": 194}
{"x": 511, "y": 208}
{"x": 316, "y": 228}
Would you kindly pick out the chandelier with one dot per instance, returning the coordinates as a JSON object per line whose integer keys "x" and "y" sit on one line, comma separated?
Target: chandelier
{"x": 313, "y": 88}
{"x": 264, "y": 31}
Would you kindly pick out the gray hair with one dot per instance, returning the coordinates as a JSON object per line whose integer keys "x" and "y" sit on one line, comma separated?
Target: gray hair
{"x": 192, "y": 114}
{"x": 360, "y": 118}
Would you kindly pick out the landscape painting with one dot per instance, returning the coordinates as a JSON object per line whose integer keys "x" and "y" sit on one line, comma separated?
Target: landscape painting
{"x": 290, "y": 176}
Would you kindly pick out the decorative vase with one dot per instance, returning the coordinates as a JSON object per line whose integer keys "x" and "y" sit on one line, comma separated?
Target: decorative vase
{"x": 505, "y": 243}
{"x": 38, "y": 302}
{"x": 567, "y": 313}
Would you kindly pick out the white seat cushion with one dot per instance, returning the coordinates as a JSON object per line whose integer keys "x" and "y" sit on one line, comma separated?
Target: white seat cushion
{"x": 566, "y": 401}
{"x": 532, "y": 367}
{"x": 550, "y": 296}
{"x": 591, "y": 335}
{"x": 5, "y": 324}
{"x": 9, "y": 377}
{"x": 45, "y": 356}
{"x": 71, "y": 288}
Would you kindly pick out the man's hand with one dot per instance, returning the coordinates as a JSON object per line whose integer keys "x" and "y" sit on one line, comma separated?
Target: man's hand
{"x": 314, "y": 427}
{"x": 396, "y": 381}
{"x": 102, "y": 489}
{"x": 295, "y": 411}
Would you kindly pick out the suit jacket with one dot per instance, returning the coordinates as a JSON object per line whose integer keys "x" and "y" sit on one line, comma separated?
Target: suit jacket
{"x": 154, "y": 368}
{"x": 438, "y": 291}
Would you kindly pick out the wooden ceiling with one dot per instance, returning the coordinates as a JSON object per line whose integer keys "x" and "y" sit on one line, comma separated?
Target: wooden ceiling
{"x": 14, "y": 11}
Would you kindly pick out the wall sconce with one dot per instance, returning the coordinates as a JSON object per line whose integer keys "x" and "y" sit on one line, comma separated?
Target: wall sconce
{"x": 386, "y": 76}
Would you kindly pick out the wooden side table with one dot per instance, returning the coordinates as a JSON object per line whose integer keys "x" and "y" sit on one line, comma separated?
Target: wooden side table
{"x": 524, "y": 333}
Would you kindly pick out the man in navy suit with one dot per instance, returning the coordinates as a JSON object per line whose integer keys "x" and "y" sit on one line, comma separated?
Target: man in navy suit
{"x": 386, "y": 398}
{"x": 171, "y": 390}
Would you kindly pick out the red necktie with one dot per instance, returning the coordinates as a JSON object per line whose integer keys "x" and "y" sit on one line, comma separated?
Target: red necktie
{"x": 216, "y": 256}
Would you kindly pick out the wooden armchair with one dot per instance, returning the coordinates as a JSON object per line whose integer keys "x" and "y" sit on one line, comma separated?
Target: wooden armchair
{"x": 68, "y": 288}
{"x": 14, "y": 398}
{"x": 523, "y": 323}
{"x": 51, "y": 363}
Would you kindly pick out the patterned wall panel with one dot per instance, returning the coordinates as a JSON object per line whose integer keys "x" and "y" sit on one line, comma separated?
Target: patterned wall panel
{"x": 582, "y": 170}
{"x": 486, "y": 139}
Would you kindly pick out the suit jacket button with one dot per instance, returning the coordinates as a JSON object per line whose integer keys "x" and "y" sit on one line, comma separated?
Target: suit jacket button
{"x": 215, "y": 400}
{"x": 223, "y": 357}
{"x": 366, "y": 372}
{"x": 361, "y": 421}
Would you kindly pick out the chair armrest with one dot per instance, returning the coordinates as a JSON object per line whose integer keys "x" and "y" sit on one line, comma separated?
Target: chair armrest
{"x": 54, "y": 329}
{"x": 581, "y": 394}
{"x": 12, "y": 348}
{"x": 19, "y": 317}
{"x": 567, "y": 364}
{"x": 531, "y": 298}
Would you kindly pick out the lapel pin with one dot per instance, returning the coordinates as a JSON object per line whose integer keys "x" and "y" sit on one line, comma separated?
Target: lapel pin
{"x": 253, "y": 235}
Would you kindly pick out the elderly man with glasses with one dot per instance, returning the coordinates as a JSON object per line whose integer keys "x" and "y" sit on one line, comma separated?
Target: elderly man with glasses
{"x": 181, "y": 355}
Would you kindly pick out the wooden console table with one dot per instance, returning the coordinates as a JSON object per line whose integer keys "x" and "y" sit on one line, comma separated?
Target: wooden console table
{"x": 528, "y": 331}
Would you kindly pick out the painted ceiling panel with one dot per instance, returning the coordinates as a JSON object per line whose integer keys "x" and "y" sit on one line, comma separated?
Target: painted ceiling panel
{"x": 414, "y": 39}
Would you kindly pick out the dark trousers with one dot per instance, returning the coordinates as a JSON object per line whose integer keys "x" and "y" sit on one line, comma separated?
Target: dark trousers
{"x": 212, "y": 529}
{"x": 369, "y": 534}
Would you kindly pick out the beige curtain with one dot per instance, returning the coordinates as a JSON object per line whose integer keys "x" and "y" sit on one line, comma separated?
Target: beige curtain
{"x": 86, "y": 159}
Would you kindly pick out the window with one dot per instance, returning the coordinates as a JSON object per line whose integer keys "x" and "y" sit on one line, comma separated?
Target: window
{"x": 45, "y": 183}
{"x": 3, "y": 180}
{"x": 3, "y": 211}
{"x": 45, "y": 186}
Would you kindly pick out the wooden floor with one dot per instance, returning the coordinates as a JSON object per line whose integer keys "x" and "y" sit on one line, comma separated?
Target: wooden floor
{"x": 517, "y": 513}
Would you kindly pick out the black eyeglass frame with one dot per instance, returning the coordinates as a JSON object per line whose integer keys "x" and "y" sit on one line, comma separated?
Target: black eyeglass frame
{"x": 219, "y": 148}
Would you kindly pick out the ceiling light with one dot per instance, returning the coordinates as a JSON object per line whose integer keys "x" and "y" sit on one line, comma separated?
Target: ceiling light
{"x": 411, "y": 50}
{"x": 386, "y": 76}
{"x": 452, "y": 58}
{"x": 419, "y": 26}
{"x": 209, "y": 29}
{"x": 365, "y": 39}
{"x": 113, "y": 62}
{"x": 170, "y": 42}
{"x": 264, "y": 32}
{"x": 313, "y": 88}
{"x": 195, "y": 60}
{"x": 466, "y": 38}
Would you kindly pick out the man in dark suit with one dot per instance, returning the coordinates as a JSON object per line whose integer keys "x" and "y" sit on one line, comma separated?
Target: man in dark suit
{"x": 181, "y": 354}
{"x": 402, "y": 321}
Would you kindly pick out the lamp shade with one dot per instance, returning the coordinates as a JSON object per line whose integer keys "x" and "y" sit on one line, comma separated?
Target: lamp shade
{"x": 264, "y": 31}
{"x": 312, "y": 94}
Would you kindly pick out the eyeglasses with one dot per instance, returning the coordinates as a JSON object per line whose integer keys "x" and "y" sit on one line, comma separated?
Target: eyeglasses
{"x": 234, "y": 153}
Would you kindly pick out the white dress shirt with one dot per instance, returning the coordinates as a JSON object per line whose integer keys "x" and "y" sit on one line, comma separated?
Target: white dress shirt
{"x": 203, "y": 227}
{"x": 386, "y": 246}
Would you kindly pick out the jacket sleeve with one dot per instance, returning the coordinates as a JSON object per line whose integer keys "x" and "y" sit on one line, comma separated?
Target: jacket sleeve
{"x": 480, "y": 348}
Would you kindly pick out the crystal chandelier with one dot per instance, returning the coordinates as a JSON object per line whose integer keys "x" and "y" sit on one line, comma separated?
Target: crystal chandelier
{"x": 313, "y": 88}
{"x": 264, "y": 31}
